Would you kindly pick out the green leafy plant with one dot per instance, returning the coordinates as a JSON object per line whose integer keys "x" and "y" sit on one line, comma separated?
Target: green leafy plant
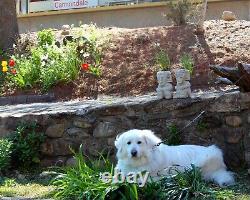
{"x": 187, "y": 62}
{"x": 46, "y": 37}
{"x": 162, "y": 60}
{"x": 201, "y": 126}
{"x": 47, "y": 66}
{"x": 82, "y": 181}
{"x": 26, "y": 145}
{"x": 5, "y": 153}
{"x": 91, "y": 55}
{"x": 174, "y": 137}
{"x": 179, "y": 11}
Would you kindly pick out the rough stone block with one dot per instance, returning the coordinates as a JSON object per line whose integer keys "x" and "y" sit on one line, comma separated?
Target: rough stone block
{"x": 81, "y": 123}
{"x": 234, "y": 121}
{"x": 77, "y": 132}
{"x": 57, "y": 147}
{"x": 105, "y": 129}
{"x": 55, "y": 131}
{"x": 228, "y": 16}
{"x": 71, "y": 162}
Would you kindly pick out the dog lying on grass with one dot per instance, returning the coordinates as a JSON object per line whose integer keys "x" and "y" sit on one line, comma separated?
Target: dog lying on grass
{"x": 137, "y": 151}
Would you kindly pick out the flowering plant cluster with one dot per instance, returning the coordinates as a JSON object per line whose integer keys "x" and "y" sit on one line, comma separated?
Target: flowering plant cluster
{"x": 9, "y": 66}
{"x": 91, "y": 69}
{"x": 91, "y": 55}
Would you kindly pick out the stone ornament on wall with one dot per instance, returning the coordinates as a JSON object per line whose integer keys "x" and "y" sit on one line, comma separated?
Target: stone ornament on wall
{"x": 165, "y": 87}
{"x": 183, "y": 86}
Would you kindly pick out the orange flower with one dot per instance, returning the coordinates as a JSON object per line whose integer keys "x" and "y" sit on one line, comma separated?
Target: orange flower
{"x": 85, "y": 66}
{"x": 13, "y": 71}
{"x": 11, "y": 63}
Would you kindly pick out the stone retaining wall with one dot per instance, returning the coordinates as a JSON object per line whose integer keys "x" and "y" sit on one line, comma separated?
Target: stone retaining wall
{"x": 95, "y": 124}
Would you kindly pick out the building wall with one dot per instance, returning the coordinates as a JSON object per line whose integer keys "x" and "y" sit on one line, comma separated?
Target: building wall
{"x": 133, "y": 16}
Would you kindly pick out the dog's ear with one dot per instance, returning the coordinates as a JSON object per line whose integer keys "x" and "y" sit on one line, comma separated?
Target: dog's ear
{"x": 150, "y": 138}
{"x": 119, "y": 146}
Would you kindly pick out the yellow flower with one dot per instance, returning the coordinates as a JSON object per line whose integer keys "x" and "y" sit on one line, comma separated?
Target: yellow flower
{"x": 5, "y": 69}
{"x": 4, "y": 63}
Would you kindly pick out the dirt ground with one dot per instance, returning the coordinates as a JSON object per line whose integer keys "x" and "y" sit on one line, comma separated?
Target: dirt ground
{"x": 129, "y": 58}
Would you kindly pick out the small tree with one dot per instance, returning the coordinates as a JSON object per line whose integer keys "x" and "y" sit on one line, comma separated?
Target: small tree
{"x": 179, "y": 11}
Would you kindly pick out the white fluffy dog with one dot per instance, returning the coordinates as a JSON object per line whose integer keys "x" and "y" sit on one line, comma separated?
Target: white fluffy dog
{"x": 137, "y": 151}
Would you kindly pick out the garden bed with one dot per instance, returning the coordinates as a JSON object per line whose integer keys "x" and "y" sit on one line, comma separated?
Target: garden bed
{"x": 128, "y": 64}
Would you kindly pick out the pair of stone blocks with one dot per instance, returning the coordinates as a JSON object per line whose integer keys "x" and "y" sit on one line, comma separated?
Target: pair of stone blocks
{"x": 165, "y": 87}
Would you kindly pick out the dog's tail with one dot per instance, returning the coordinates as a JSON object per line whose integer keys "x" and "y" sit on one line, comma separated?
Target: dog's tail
{"x": 222, "y": 177}
{"x": 215, "y": 168}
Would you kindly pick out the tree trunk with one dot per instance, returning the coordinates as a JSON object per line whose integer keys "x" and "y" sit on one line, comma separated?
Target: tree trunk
{"x": 239, "y": 75}
{"x": 8, "y": 25}
{"x": 203, "y": 15}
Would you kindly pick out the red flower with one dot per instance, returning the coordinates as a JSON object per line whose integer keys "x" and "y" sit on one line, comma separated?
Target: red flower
{"x": 11, "y": 63}
{"x": 85, "y": 66}
{"x": 13, "y": 71}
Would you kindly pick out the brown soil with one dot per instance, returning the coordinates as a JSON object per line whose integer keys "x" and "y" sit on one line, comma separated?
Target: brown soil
{"x": 128, "y": 63}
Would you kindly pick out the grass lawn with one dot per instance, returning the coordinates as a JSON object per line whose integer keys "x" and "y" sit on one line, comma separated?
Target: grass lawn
{"x": 33, "y": 186}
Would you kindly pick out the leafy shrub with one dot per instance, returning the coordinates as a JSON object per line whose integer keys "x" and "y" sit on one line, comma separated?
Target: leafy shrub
{"x": 187, "y": 62}
{"x": 162, "y": 60}
{"x": 5, "y": 153}
{"x": 47, "y": 66}
{"x": 174, "y": 137}
{"x": 26, "y": 145}
{"x": 179, "y": 11}
{"x": 46, "y": 37}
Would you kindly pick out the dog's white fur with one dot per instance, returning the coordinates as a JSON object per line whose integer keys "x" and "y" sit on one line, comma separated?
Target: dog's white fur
{"x": 156, "y": 159}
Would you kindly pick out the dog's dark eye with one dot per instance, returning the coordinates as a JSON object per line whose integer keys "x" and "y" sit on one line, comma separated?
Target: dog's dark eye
{"x": 129, "y": 143}
{"x": 139, "y": 142}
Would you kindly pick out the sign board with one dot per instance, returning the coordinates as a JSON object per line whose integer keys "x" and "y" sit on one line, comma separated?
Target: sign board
{"x": 69, "y": 4}
{"x": 60, "y": 5}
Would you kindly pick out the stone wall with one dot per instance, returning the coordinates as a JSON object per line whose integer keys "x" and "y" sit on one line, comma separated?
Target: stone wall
{"x": 95, "y": 124}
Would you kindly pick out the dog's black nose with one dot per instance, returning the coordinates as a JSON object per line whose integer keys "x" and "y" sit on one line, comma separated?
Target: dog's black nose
{"x": 134, "y": 153}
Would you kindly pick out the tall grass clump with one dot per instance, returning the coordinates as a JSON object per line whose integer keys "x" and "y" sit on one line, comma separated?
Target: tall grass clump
{"x": 82, "y": 181}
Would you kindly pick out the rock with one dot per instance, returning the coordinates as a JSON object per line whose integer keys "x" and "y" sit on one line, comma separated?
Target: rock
{"x": 77, "y": 132}
{"x": 234, "y": 137}
{"x": 65, "y": 27}
{"x": 111, "y": 141}
{"x": 82, "y": 123}
{"x": 105, "y": 129}
{"x": 99, "y": 147}
{"x": 65, "y": 32}
{"x": 248, "y": 171}
{"x": 21, "y": 177}
{"x": 57, "y": 147}
{"x": 55, "y": 131}
{"x": 248, "y": 119}
{"x": 234, "y": 121}
{"x": 46, "y": 162}
{"x": 228, "y": 16}
{"x": 71, "y": 162}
